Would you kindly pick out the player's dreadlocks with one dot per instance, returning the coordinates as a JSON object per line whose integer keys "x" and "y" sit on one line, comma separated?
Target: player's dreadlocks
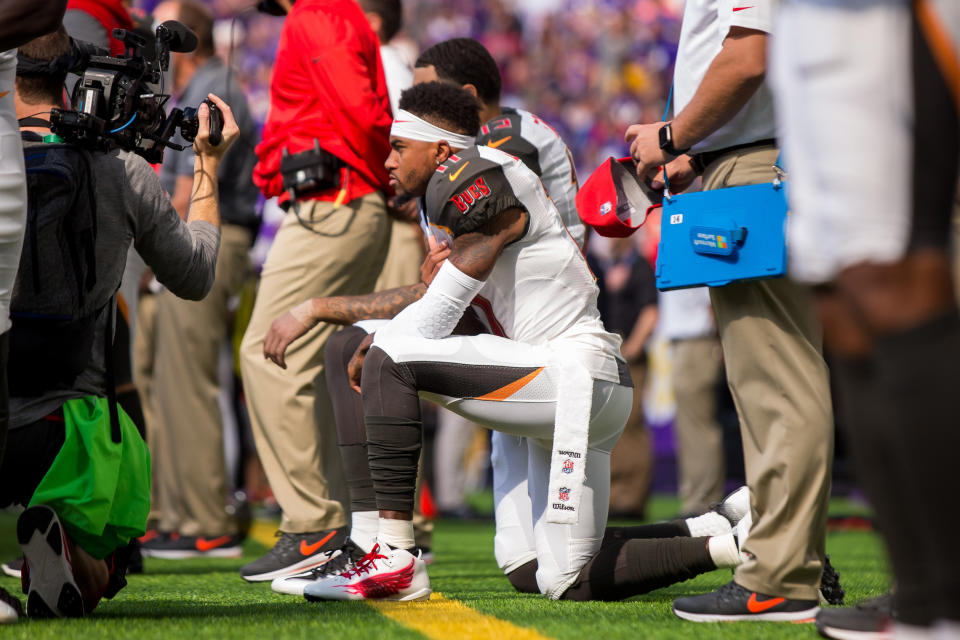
{"x": 465, "y": 61}
{"x": 444, "y": 105}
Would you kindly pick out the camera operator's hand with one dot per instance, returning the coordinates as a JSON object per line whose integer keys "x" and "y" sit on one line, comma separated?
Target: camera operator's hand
{"x": 230, "y": 130}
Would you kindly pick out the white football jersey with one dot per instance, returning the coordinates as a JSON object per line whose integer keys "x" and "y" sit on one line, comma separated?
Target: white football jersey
{"x": 541, "y": 290}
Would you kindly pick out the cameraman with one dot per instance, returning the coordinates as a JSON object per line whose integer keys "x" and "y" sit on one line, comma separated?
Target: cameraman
{"x": 186, "y": 437}
{"x": 86, "y": 476}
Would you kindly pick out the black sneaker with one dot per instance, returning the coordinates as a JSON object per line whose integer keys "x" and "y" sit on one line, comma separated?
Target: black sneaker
{"x": 13, "y": 567}
{"x": 178, "y": 547}
{"x": 830, "y": 590}
{"x": 295, "y": 553}
{"x": 733, "y": 602}
{"x": 340, "y": 559}
{"x": 870, "y": 619}
{"x": 52, "y": 591}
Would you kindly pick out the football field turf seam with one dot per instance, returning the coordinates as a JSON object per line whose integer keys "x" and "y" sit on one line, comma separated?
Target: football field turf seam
{"x": 438, "y": 619}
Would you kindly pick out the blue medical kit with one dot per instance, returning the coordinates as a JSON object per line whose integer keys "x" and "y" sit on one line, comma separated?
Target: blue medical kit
{"x": 717, "y": 237}
{"x": 721, "y": 236}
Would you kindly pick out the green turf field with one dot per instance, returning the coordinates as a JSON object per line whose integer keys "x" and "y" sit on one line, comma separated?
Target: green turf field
{"x": 196, "y": 599}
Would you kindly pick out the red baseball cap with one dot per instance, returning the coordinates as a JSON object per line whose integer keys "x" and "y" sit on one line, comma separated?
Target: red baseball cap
{"x": 613, "y": 201}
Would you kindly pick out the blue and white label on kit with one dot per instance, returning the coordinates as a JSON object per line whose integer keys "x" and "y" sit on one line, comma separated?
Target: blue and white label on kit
{"x": 712, "y": 240}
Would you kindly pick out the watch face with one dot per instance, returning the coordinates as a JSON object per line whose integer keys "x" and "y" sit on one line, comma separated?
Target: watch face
{"x": 665, "y": 137}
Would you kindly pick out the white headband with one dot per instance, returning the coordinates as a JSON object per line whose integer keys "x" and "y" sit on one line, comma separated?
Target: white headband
{"x": 407, "y": 125}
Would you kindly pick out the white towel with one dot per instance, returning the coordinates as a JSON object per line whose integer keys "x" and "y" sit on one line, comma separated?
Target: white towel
{"x": 570, "y": 434}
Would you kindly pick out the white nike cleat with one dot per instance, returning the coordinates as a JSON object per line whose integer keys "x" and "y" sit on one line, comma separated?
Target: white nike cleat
{"x": 341, "y": 559}
{"x": 735, "y": 506}
{"x": 741, "y": 532}
{"x": 394, "y": 574}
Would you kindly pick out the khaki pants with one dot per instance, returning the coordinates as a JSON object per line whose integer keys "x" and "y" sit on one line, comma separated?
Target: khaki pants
{"x": 186, "y": 436}
{"x": 697, "y": 366}
{"x": 290, "y": 409}
{"x": 780, "y": 385}
{"x": 631, "y": 461}
{"x": 404, "y": 257}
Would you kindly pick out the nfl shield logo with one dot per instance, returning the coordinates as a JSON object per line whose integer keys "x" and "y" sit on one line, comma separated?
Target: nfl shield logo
{"x": 564, "y": 493}
{"x": 567, "y": 466}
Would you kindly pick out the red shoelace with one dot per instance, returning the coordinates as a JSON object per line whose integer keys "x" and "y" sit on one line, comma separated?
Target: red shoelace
{"x": 366, "y": 563}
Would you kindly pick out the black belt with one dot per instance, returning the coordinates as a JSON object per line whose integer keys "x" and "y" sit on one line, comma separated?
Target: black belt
{"x": 703, "y": 160}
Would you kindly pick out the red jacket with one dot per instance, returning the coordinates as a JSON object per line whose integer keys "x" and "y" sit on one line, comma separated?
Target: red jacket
{"x": 111, "y": 14}
{"x": 328, "y": 84}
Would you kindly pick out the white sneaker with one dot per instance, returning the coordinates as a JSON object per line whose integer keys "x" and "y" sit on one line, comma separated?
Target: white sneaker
{"x": 741, "y": 532}
{"x": 340, "y": 560}
{"x": 52, "y": 591}
{"x": 10, "y": 608}
{"x": 394, "y": 574}
{"x": 735, "y": 506}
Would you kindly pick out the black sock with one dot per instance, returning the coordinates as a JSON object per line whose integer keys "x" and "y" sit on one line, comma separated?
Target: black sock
{"x": 670, "y": 529}
{"x": 625, "y": 568}
{"x": 524, "y": 578}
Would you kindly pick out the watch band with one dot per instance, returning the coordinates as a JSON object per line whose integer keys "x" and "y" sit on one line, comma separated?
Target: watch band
{"x": 666, "y": 141}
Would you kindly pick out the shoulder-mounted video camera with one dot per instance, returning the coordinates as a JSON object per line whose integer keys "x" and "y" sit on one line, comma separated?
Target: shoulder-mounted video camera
{"x": 116, "y": 103}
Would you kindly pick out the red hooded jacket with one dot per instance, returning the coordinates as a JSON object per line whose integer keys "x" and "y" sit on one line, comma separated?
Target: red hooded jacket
{"x": 328, "y": 84}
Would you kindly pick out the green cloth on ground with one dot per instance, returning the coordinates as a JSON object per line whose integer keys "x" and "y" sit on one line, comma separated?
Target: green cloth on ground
{"x": 99, "y": 489}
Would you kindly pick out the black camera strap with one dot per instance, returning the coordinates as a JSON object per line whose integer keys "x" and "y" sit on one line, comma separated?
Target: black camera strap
{"x": 31, "y": 121}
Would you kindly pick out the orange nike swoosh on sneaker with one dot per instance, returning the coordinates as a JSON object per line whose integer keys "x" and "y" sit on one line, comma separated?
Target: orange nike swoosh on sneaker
{"x": 208, "y": 545}
{"x": 755, "y": 606}
{"x": 4, "y": 94}
{"x": 310, "y": 549}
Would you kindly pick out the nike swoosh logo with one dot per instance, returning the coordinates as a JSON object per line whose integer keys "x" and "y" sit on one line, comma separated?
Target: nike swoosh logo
{"x": 743, "y": 8}
{"x": 759, "y": 607}
{"x": 310, "y": 549}
{"x": 207, "y": 545}
{"x": 2, "y": 95}
{"x": 453, "y": 176}
{"x": 497, "y": 143}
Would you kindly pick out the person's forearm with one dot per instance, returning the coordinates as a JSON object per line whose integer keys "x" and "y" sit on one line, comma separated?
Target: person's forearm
{"x": 372, "y": 306}
{"x": 23, "y": 20}
{"x": 204, "y": 198}
{"x": 641, "y": 332}
{"x": 731, "y": 80}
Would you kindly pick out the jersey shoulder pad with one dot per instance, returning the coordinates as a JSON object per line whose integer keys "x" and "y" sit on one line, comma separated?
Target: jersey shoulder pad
{"x": 467, "y": 191}
{"x": 505, "y": 132}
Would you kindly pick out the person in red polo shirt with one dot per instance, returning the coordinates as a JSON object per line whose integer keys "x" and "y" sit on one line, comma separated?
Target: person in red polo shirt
{"x": 327, "y": 91}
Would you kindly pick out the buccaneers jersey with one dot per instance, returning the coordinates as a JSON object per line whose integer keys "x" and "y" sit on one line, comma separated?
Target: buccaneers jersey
{"x": 540, "y": 290}
{"x": 533, "y": 141}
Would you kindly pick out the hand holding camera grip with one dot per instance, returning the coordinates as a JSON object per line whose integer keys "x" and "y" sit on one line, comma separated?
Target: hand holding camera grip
{"x": 216, "y": 122}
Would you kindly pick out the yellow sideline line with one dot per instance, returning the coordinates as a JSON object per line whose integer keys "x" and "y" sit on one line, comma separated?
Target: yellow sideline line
{"x": 438, "y": 619}
{"x": 442, "y": 619}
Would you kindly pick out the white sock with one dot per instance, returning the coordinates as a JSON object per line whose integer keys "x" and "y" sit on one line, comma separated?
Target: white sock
{"x": 364, "y": 526}
{"x": 710, "y": 523}
{"x": 723, "y": 551}
{"x": 396, "y": 533}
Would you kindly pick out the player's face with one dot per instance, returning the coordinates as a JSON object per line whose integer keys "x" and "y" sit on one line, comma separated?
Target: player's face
{"x": 411, "y": 163}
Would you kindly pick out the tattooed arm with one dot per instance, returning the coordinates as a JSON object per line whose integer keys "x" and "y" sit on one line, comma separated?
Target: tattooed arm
{"x": 475, "y": 254}
{"x": 335, "y": 310}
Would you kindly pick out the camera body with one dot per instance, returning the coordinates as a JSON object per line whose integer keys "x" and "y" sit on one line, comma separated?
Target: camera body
{"x": 116, "y": 103}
